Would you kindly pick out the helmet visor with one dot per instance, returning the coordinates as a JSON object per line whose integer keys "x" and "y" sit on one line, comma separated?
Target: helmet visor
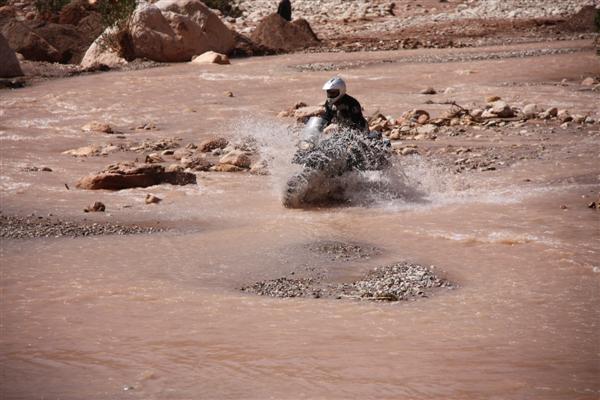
{"x": 333, "y": 93}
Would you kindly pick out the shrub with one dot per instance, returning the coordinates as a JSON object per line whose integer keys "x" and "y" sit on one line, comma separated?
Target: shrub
{"x": 117, "y": 14}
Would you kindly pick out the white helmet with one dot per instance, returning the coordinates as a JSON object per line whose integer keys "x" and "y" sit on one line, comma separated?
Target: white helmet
{"x": 336, "y": 88}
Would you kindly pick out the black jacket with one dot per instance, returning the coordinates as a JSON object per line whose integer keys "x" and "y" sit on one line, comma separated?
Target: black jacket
{"x": 347, "y": 113}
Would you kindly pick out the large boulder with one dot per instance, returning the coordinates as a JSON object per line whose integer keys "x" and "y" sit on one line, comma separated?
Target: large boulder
{"x": 42, "y": 41}
{"x": 9, "y": 66}
{"x": 26, "y": 41}
{"x": 99, "y": 54}
{"x": 276, "y": 33}
{"x": 129, "y": 175}
{"x": 177, "y": 30}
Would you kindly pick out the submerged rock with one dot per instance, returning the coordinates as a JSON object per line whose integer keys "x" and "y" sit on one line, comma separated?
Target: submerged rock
{"x": 152, "y": 199}
{"x": 98, "y": 206}
{"x": 95, "y": 126}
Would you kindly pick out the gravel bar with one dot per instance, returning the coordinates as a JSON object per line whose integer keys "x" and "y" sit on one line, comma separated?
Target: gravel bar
{"x": 12, "y": 227}
{"x": 400, "y": 281}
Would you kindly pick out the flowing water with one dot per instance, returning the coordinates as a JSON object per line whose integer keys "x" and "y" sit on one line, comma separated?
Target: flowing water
{"x": 161, "y": 316}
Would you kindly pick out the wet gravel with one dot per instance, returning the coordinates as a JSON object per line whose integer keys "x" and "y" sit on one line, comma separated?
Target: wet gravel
{"x": 14, "y": 227}
{"x": 400, "y": 281}
{"x": 340, "y": 251}
{"x": 437, "y": 59}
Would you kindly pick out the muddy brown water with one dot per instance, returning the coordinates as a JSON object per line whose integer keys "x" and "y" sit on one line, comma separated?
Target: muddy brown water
{"x": 160, "y": 316}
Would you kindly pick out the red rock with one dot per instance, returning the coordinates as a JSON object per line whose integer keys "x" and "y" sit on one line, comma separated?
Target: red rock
{"x": 208, "y": 145}
{"x": 237, "y": 158}
{"x": 9, "y": 67}
{"x": 129, "y": 175}
{"x": 278, "y": 34}
{"x": 210, "y": 57}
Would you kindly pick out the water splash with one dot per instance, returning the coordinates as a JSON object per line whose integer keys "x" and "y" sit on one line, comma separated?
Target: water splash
{"x": 409, "y": 182}
{"x": 275, "y": 141}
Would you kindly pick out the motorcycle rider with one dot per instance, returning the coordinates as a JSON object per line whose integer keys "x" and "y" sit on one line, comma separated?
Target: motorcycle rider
{"x": 343, "y": 109}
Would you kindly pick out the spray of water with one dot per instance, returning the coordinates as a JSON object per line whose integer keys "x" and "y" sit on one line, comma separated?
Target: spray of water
{"x": 407, "y": 182}
{"x": 275, "y": 142}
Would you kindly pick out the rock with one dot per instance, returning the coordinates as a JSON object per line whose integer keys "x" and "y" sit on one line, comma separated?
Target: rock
{"x": 589, "y": 120}
{"x": 129, "y": 175}
{"x": 96, "y": 207}
{"x": 9, "y": 67}
{"x": 414, "y": 115}
{"x": 488, "y": 114}
{"x": 86, "y": 151}
{"x": 228, "y": 94}
{"x": 152, "y": 199}
{"x": 589, "y": 81}
{"x": 428, "y": 90}
{"x": 95, "y": 126}
{"x": 259, "y": 168}
{"x": 97, "y": 54}
{"x": 153, "y": 158}
{"x": 208, "y": 145}
{"x": 276, "y": 33}
{"x": 423, "y": 118}
{"x": 502, "y": 109}
{"x": 579, "y": 119}
{"x": 226, "y": 168}
{"x": 237, "y": 158}
{"x": 36, "y": 169}
{"x": 407, "y": 151}
{"x": 73, "y": 12}
{"x": 303, "y": 114}
{"x": 476, "y": 112}
{"x": 174, "y": 168}
{"x": 145, "y": 126}
{"x": 492, "y": 99}
{"x": 181, "y": 153}
{"x": 196, "y": 163}
{"x": 22, "y": 39}
{"x": 48, "y": 41}
{"x": 169, "y": 152}
{"x": 210, "y": 57}
{"x": 427, "y": 129}
{"x": 177, "y": 30}
{"x": 530, "y": 111}
{"x": 549, "y": 113}
{"x": 564, "y": 116}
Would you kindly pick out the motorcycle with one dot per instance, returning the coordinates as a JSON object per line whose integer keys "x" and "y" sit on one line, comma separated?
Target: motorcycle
{"x": 327, "y": 160}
